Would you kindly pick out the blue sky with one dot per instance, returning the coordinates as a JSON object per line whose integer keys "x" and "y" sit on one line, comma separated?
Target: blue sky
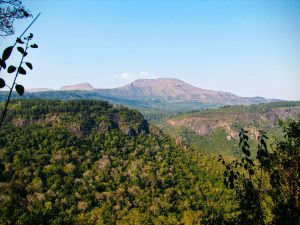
{"x": 249, "y": 48}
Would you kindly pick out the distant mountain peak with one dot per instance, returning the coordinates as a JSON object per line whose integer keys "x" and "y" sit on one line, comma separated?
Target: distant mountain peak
{"x": 78, "y": 87}
{"x": 162, "y": 92}
{"x": 175, "y": 90}
{"x": 158, "y": 84}
{"x": 170, "y": 89}
{"x": 158, "y": 81}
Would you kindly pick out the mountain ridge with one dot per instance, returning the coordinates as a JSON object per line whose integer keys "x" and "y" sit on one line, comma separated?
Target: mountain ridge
{"x": 168, "y": 89}
{"x": 78, "y": 87}
{"x": 150, "y": 96}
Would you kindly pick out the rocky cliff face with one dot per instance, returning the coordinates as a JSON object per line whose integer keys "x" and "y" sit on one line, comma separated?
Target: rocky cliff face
{"x": 80, "y": 117}
{"x": 204, "y": 124}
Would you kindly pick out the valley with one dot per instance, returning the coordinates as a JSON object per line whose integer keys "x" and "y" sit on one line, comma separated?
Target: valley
{"x": 149, "y": 112}
{"x": 70, "y": 158}
{"x": 217, "y": 130}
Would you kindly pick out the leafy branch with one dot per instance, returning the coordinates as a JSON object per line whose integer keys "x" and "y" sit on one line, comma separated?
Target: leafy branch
{"x": 240, "y": 175}
{"x": 270, "y": 184}
{"x": 18, "y": 70}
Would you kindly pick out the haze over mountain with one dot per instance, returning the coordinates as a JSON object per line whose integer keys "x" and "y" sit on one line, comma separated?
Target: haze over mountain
{"x": 175, "y": 90}
{"x": 79, "y": 87}
{"x": 32, "y": 90}
{"x": 168, "y": 89}
{"x": 162, "y": 95}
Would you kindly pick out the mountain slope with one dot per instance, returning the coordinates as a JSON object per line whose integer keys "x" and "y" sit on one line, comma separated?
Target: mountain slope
{"x": 174, "y": 90}
{"x": 151, "y": 96}
{"x": 216, "y": 130}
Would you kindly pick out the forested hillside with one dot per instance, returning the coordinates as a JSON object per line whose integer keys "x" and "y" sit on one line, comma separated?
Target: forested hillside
{"x": 88, "y": 162}
{"x": 217, "y": 130}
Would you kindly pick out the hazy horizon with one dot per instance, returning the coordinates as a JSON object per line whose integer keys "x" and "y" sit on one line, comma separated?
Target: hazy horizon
{"x": 82, "y": 83}
{"x": 246, "y": 48}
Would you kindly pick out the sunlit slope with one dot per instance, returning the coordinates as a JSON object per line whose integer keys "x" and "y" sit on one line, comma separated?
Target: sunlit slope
{"x": 216, "y": 130}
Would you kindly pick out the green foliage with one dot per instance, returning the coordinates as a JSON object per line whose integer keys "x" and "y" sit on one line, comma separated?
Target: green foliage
{"x": 18, "y": 70}
{"x": 268, "y": 188}
{"x": 239, "y": 176}
{"x": 284, "y": 173}
{"x": 212, "y": 143}
{"x": 88, "y": 162}
{"x": 7, "y": 18}
{"x": 216, "y": 130}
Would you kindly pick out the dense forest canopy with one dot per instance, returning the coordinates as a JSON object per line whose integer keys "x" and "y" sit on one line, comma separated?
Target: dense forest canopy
{"x": 88, "y": 162}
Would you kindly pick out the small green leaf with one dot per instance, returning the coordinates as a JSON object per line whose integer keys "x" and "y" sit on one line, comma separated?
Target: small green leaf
{"x": 11, "y": 69}
{"x": 21, "y": 70}
{"x": 2, "y": 83}
{"x": 34, "y": 46}
{"x": 7, "y": 52}
{"x": 30, "y": 36}
{"x": 248, "y": 153}
{"x": 29, "y": 65}
{"x": 20, "y": 41}
{"x": 20, "y": 89}
{"x": 20, "y": 49}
